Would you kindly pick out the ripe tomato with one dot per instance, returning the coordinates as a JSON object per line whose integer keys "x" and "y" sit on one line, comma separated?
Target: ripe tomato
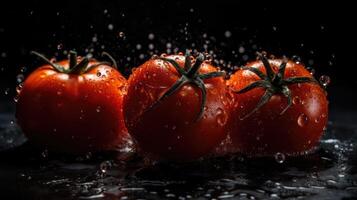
{"x": 279, "y": 108}
{"x": 73, "y": 106}
{"x": 175, "y": 110}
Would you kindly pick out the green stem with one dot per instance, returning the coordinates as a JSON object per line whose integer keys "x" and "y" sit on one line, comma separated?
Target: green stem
{"x": 72, "y": 59}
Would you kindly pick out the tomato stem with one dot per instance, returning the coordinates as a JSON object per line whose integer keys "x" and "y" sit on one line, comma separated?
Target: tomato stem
{"x": 72, "y": 59}
{"x": 273, "y": 83}
{"x": 189, "y": 74}
{"x": 74, "y": 66}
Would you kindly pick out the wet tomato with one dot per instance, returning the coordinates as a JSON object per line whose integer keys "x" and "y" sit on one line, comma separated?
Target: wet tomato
{"x": 176, "y": 107}
{"x": 73, "y": 106}
{"x": 279, "y": 108}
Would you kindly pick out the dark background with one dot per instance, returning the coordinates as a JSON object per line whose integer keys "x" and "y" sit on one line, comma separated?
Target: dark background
{"x": 320, "y": 34}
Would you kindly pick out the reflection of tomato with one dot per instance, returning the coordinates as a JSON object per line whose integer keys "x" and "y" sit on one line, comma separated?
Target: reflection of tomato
{"x": 73, "y": 107}
{"x": 168, "y": 122}
{"x": 264, "y": 123}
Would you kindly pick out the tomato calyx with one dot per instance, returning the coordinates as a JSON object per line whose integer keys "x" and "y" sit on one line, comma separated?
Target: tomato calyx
{"x": 76, "y": 67}
{"x": 273, "y": 83}
{"x": 189, "y": 75}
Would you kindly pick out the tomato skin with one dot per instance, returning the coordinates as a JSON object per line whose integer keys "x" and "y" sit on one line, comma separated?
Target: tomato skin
{"x": 169, "y": 130}
{"x": 73, "y": 113}
{"x": 267, "y": 132}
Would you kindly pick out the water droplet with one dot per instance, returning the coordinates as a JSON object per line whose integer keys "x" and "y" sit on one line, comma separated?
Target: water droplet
{"x": 20, "y": 78}
{"x": 59, "y": 46}
{"x": 151, "y": 36}
{"x": 227, "y": 34}
{"x": 241, "y": 49}
{"x": 19, "y": 88}
{"x": 154, "y": 56}
{"x": 23, "y": 69}
{"x": 98, "y": 109}
{"x": 59, "y": 93}
{"x": 104, "y": 166}
{"x": 6, "y": 91}
{"x": 279, "y": 157}
{"x": 151, "y": 46}
{"x": 110, "y": 26}
{"x": 16, "y": 98}
{"x": 302, "y": 120}
{"x": 325, "y": 80}
{"x": 99, "y": 74}
{"x": 44, "y": 153}
{"x": 121, "y": 34}
{"x": 296, "y": 100}
{"x": 221, "y": 117}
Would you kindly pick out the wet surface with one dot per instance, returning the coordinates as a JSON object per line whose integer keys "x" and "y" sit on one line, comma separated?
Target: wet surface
{"x": 328, "y": 173}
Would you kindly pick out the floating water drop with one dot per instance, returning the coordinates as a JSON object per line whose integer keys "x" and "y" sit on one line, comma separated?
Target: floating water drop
{"x": 6, "y": 91}
{"x": 121, "y": 34}
{"x": 110, "y": 26}
{"x": 227, "y": 34}
{"x": 20, "y": 78}
{"x": 59, "y": 46}
{"x": 16, "y": 98}
{"x": 104, "y": 166}
{"x": 151, "y": 36}
{"x": 279, "y": 157}
{"x": 325, "y": 80}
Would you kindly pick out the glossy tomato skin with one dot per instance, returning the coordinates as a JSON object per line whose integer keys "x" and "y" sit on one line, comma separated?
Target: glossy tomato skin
{"x": 169, "y": 130}
{"x": 73, "y": 113}
{"x": 268, "y": 132}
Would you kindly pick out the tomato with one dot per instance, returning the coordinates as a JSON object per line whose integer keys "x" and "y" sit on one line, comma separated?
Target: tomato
{"x": 279, "y": 108}
{"x": 73, "y": 106}
{"x": 176, "y": 110}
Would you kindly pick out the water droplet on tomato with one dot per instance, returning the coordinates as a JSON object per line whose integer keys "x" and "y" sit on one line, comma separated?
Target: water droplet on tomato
{"x": 296, "y": 100}
{"x": 221, "y": 117}
{"x": 302, "y": 120}
{"x": 99, "y": 74}
{"x": 325, "y": 80}
{"x": 279, "y": 157}
{"x": 98, "y": 109}
{"x": 317, "y": 120}
{"x": 154, "y": 56}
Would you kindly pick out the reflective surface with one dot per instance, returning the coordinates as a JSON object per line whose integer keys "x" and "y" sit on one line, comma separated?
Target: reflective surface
{"x": 328, "y": 173}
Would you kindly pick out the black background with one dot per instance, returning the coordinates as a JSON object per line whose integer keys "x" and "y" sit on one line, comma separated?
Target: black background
{"x": 321, "y": 34}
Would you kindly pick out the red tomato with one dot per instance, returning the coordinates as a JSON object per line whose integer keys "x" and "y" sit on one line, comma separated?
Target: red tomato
{"x": 175, "y": 110}
{"x": 73, "y": 106}
{"x": 282, "y": 111}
